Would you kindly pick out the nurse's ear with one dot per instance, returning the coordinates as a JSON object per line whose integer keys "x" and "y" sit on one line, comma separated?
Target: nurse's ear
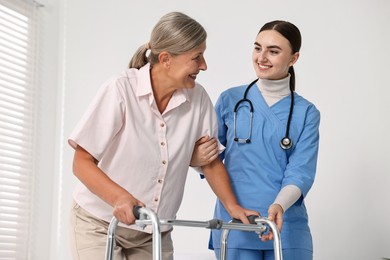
{"x": 293, "y": 59}
{"x": 165, "y": 59}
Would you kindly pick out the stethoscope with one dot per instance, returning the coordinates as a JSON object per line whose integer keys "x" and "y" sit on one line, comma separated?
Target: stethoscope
{"x": 285, "y": 143}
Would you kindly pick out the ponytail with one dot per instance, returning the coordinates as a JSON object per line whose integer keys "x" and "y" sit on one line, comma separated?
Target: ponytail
{"x": 139, "y": 58}
{"x": 292, "y": 78}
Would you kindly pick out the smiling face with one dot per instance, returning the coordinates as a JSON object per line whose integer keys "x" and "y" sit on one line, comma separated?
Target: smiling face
{"x": 272, "y": 55}
{"x": 184, "y": 68}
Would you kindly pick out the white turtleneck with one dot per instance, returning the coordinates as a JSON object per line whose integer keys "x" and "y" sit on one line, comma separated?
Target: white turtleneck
{"x": 273, "y": 91}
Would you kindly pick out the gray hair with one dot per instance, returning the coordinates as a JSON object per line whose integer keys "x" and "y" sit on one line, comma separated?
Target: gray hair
{"x": 175, "y": 33}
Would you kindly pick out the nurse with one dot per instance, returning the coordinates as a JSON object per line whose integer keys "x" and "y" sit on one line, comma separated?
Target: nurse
{"x": 264, "y": 176}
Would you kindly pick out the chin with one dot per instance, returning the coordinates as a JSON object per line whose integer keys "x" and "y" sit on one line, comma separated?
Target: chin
{"x": 191, "y": 84}
{"x": 261, "y": 75}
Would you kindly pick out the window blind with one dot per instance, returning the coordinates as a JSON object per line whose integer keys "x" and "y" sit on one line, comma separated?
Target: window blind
{"x": 17, "y": 125}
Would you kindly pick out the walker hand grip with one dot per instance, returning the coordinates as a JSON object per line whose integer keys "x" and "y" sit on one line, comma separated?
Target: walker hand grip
{"x": 251, "y": 219}
{"x": 214, "y": 224}
{"x": 136, "y": 211}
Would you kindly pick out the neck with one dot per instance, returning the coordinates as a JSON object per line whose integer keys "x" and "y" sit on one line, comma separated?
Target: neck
{"x": 161, "y": 91}
{"x": 274, "y": 90}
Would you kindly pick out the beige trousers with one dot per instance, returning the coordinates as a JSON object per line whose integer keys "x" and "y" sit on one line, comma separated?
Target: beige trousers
{"x": 88, "y": 237}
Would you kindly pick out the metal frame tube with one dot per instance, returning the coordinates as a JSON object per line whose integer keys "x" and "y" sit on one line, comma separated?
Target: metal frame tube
{"x": 259, "y": 228}
{"x": 157, "y": 255}
{"x": 223, "y": 250}
{"x": 111, "y": 238}
{"x": 156, "y": 235}
{"x": 149, "y": 217}
{"x": 277, "y": 240}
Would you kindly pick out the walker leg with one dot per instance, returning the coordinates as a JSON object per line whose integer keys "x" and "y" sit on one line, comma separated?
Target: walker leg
{"x": 156, "y": 236}
{"x": 111, "y": 238}
{"x": 277, "y": 241}
{"x": 223, "y": 252}
{"x": 157, "y": 255}
{"x": 262, "y": 221}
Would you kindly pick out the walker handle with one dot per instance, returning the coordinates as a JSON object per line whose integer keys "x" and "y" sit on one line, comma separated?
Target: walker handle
{"x": 251, "y": 219}
{"x": 136, "y": 211}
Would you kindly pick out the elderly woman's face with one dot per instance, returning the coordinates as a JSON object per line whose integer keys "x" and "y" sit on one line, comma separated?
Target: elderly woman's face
{"x": 185, "y": 67}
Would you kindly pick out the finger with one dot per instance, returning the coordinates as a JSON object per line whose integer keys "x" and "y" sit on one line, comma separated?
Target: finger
{"x": 209, "y": 145}
{"x": 252, "y": 212}
{"x": 279, "y": 223}
{"x": 203, "y": 139}
{"x": 244, "y": 219}
{"x": 213, "y": 157}
{"x": 121, "y": 217}
{"x": 265, "y": 238}
{"x": 211, "y": 150}
{"x": 271, "y": 216}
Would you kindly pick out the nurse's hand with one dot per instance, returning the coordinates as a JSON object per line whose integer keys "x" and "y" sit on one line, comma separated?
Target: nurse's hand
{"x": 275, "y": 214}
{"x": 241, "y": 213}
{"x": 205, "y": 151}
{"x": 123, "y": 209}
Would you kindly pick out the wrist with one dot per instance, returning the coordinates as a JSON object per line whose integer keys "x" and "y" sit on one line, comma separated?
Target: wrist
{"x": 278, "y": 207}
{"x": 230, "y": 207}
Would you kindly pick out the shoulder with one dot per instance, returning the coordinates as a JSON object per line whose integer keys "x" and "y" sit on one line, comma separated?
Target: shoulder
{"x": 231, "y": 96}
{"x": 132, "y": 76}
{"x": 125, "y": 81}
{"x": 234, "y": 91}
{"x": 303, "y": 102}
{"x": 306, "y": 107}
{"x": 119, "y": 78}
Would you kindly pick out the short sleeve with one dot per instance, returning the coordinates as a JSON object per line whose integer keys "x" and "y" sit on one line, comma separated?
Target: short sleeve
{"x": 101, "y": 122}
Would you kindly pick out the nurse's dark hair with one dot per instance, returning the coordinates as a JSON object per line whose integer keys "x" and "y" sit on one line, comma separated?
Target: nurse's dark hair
{"x": 175, "y": 33}
{"x": 292, "y": 34}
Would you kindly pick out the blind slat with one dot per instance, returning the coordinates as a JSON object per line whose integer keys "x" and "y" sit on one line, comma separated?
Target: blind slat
{"x": 18, "y": 59}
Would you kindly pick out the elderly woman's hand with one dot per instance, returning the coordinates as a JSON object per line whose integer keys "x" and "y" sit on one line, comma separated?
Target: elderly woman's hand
{"x": 205, "y": 151}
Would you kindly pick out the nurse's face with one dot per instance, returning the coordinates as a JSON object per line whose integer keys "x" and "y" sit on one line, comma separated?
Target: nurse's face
{"x": 185, "y": 67}
{"x": 272, "y": 55}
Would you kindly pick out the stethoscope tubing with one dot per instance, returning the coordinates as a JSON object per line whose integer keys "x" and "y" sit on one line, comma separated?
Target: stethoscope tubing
{"x": 286, "y": 142}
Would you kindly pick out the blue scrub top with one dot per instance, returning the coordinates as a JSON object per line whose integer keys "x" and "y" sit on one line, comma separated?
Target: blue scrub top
{"x": 260, "y": 169}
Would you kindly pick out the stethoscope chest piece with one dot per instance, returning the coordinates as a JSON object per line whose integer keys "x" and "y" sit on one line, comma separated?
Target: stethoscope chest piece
{"x": 285, "y": 143}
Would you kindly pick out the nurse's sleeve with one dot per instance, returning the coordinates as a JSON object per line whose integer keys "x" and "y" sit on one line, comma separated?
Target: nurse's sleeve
{"x": 301, "y": 168}
{"x": 222, "y": 128}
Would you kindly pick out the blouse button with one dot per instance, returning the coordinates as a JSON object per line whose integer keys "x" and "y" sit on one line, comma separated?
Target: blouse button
{"x": 162, "y": 143}
{"x": 162, "y": 124}
{"x": 164, "y": 162}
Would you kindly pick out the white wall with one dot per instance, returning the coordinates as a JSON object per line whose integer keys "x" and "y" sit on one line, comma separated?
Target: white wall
{"x": 342, "y": 69}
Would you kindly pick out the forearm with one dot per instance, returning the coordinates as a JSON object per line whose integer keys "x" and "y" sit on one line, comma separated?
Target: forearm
{"x": 86, "y": 170}
{"x": 288, "y": 196}
{"x": 218, "y": 179}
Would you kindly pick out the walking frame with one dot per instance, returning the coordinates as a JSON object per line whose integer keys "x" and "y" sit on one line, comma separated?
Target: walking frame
{"x": 146, "y": 216}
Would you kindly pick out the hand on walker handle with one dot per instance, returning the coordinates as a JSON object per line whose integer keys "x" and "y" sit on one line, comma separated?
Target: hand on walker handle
{"x": 251, "y": 219}
{"x": 275, "y": 214}
{"x": 205, "y": 151}
{"x": 123, "y": 209}
{"x": 239, "y": 213}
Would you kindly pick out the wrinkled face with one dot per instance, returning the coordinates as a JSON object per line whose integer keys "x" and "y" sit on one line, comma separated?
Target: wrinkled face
{"x": 184, "y": 68}
{"x": 272, "y": 55}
